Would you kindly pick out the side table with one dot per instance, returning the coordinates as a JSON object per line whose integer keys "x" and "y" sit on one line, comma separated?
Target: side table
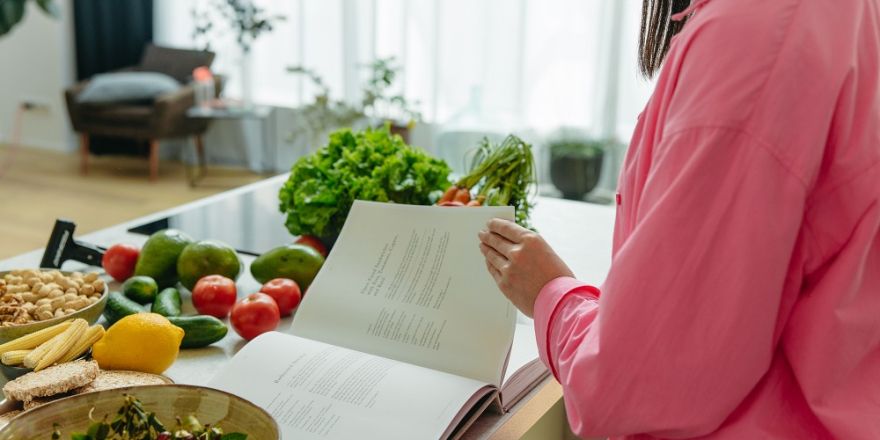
{"x": 262, "y": 113}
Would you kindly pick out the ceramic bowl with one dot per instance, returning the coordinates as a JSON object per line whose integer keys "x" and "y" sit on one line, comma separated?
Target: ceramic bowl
{"x": 218, "y": 408}
{"x": 90, "y": 314}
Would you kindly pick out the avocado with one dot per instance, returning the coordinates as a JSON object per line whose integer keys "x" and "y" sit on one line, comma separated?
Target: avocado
{"x": 294, "y": 261}
{"x": 159, "y": 254}
{"x": 207, "y": 257}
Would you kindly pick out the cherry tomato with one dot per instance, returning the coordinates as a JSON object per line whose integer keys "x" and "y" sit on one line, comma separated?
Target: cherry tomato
{"x": 214, "y": 295}
{"x": 255, "y": 315}
{"x": 119, "y": 261}
{"x": 285, "y": 292}
{"x": 312, "y": 242}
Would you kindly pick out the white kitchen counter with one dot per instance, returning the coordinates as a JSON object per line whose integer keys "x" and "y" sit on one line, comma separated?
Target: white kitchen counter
{"x": 580, "y": 232}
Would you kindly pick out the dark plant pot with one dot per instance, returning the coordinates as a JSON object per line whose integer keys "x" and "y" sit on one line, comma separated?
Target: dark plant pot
{"x": 401, "y": 130}
{"x": 575, "y": 175}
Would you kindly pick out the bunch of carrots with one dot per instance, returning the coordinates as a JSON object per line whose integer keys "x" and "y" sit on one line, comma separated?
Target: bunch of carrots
{"x": 501, "y": 174}
{"x": 455, "y": 196}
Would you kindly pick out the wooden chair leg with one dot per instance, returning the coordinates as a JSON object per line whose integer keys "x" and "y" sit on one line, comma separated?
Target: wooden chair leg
{"x": 196, "y": 172}
{"x": 154, "y": 160}
{"x": 200, "y": 152}
{"x": 84, "y": 153}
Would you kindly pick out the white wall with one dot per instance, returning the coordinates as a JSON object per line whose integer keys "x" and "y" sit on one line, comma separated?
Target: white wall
{"x": 37, "y": 63}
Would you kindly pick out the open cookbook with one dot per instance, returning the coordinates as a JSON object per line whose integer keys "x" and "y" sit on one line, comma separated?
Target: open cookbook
{"x": 402, "y": 335}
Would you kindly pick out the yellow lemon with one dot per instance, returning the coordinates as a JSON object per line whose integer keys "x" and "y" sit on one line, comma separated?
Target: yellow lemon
{"x": 145, "y": 342}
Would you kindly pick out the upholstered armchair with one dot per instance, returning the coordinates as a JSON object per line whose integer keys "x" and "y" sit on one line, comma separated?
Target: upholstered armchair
{"x": 163, "y": 118}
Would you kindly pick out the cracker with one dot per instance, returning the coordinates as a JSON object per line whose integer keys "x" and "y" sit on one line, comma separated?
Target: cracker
{"x": 51, "y": 381}
{"x": 111, "y": 379}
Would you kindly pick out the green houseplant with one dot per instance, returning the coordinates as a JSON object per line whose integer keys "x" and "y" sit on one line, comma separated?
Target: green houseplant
{"x": 12, "y": 12}
{"x": 381, "y": 105}
{"x": 243, "y": 19}
{"x": 246, "y": 20}
{"x": 324, "y": 113}
{"x": 576, "y": 165}
{"x": 378, "y": 104}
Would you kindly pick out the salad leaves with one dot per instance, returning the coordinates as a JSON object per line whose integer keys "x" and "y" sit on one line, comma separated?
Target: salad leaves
{"x": 368, "y": 165}
{"x": 133, "y": 422}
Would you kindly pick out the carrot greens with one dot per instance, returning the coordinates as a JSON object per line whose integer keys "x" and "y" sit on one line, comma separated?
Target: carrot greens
{"x": 503, "y": 174}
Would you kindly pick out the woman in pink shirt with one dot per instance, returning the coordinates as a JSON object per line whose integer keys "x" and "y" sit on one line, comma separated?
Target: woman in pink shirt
{"x": 743, "y": 299}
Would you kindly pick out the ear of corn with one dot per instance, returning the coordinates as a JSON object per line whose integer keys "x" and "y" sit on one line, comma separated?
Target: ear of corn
{"x": 65, "y": 342}
{"x": 30, "y": 361}
{"x": 14, "y": 357}
{"x": 34, "y": 339}
{"x": 92, "y": 335}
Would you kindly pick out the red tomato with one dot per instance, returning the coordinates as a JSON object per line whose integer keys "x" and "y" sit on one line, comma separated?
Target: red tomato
{"x": 255, "y": 315}
{"x": 119, "y": 261}
{"x": 214, "y": 295}
{"x": 312, "y": 242}
{"x": 285, "y": 292}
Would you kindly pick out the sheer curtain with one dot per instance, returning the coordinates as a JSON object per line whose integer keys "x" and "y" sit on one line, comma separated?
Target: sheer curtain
{"x": 525, "y": 66}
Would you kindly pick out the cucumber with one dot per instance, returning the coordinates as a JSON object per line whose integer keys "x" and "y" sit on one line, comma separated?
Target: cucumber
{"x": 167, "y": 303}
{"x": 118, "y": 307}
{"x": 140, "y": 289}
{"x": 199, "y": 330}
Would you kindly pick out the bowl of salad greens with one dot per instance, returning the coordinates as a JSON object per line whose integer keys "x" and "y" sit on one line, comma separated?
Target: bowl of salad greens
{"x": 152, "y": 412}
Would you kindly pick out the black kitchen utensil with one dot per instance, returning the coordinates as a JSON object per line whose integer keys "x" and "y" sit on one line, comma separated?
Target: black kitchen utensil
{"x": 63, "y": 247}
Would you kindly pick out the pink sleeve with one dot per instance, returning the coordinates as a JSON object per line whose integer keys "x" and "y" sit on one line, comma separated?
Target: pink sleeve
{"x": 684, "y": 327}
{"x": 549, "y": 301}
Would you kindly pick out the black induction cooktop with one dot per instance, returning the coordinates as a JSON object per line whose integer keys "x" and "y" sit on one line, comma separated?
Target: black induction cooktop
{"x": 248, "y": 220}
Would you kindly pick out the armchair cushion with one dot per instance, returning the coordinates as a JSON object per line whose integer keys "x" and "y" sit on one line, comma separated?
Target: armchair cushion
{"x": 127, "y": 87}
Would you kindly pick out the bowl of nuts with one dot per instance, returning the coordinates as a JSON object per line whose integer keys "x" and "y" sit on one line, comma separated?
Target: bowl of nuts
{"x": 33, "y": 299}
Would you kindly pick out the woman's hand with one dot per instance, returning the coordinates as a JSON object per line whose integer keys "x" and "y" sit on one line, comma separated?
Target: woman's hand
{"x": 520, "y": 261}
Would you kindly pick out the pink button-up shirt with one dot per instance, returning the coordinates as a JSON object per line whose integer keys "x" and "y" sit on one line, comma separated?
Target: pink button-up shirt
{"x": 743, "y": 300}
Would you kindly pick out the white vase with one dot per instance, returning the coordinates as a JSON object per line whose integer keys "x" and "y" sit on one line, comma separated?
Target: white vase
{"x": 247, "y": 83}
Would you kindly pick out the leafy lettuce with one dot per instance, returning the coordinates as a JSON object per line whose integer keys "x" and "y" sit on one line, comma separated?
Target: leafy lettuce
{"x": 369, "y": 165}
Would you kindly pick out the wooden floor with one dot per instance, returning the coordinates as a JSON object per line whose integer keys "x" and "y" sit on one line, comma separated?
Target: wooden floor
{"x": 39, "y": 186}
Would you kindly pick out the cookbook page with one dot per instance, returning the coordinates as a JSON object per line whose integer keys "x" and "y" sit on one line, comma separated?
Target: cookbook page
{"x": 524, "y": 370}
{"x": 409, "y": 283}
{"x": 318, "y": 391}
{"x": 523, "y": 351}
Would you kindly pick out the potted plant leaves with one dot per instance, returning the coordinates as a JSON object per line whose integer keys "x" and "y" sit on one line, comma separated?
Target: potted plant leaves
{"x": 576, "y": 165}
{"x": 383, "y": 106}
{"x": 325, "y": 114}
{"x": 378, "y": 106}
{"x": 12, "y": 12}
{"x": 246, "y": 21}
